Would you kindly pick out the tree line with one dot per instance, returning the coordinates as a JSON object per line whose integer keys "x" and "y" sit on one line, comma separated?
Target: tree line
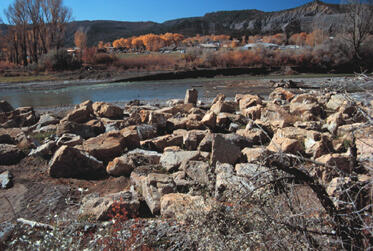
{"x": 36, "y": 27}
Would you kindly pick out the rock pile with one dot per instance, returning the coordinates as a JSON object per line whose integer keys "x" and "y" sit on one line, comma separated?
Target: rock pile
{"x": 167, "y": 152}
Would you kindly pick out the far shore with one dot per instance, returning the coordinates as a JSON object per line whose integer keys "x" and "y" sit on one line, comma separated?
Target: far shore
{"x": 91, "y": 77}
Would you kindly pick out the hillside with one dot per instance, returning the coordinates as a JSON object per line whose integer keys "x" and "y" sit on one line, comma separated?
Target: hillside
{"x": 235, "y": 23}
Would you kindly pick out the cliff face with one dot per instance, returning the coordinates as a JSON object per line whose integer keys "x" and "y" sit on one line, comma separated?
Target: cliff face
{"x": 248, "y": 22}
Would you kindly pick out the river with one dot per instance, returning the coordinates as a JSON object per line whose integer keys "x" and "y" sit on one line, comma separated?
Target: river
{"x": 46, "y": 95}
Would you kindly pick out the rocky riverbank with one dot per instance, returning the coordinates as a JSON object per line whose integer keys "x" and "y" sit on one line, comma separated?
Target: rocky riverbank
{"x": 249, "y": 173}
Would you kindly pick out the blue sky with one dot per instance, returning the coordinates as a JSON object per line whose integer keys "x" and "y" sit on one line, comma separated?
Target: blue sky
{"x": 162, "y": 10}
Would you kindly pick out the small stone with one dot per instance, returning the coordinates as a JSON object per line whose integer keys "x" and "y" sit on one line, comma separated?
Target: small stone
{"x": 6, "y": 180}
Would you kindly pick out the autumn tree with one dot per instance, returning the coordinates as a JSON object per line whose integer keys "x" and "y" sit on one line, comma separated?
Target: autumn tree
{"x": 153, "y": 42}
{"x": 80, "y": 39}
{"x": 298, "y": 39}
{"x": 316, "y": 37}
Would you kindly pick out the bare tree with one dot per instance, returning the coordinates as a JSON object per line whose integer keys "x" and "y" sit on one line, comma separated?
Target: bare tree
{"x": 358, "y": 23}
{"x": 37, "y": 27}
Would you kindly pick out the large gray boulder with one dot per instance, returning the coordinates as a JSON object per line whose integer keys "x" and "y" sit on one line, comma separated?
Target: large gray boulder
{"x": 224, "y": 150}
{"x": 10, "y": 154}
{"x": 172, "y": 160}
{"x": 69, "y": 162}
{"x": 154, "y": 186}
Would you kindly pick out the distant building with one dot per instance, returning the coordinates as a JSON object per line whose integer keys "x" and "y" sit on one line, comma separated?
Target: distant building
{"x": 210, "y": 46}
{"x": 260, "y": 45}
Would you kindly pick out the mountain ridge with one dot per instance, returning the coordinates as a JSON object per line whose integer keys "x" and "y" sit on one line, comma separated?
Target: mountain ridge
{"x": 236, "y": 23}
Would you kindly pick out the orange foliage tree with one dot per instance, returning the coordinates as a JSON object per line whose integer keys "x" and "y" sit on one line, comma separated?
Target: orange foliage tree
{"x": 315, "y": 38}
{"x": 298, "y": 39}
{"x": 80, "y": 39}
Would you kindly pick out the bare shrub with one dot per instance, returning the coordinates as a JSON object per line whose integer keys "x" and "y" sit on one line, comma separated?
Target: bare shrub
{"x": 58, "y": 61}
{"x": 148, "y": 62}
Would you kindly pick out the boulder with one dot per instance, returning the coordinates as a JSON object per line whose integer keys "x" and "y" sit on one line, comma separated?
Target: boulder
{"x": 223, "y": 106}
{"x": 46, "y": 150}
{"x": 101, "y": 109}
{"x": 194, "y": 125}
{"x": 335, "y": 102}
{"x": 104, "y": 208}
{"x": 248, "y": 100}
{"x": 255, "y": 136}
{"x": 69, "y": 162}
{"x": 105, "y": 147}
{"x": 114, "y": 125}
{"x": 222, "y": 120}
{"x": 47, "y": 119}
{"x": 237, "y": 140}
{"x": 10, "y": 154}
{"x": 6, "y": 139}
{"x": 154, "y": 186}
{"x": 197, "y": 170}
{"x": 172, "y": 160}
{"x": 80, "y": 115}
{"x": 161, "y": 142}
{"x": 277, "y": 116}
{"x": 192, "y": 139}
{"x": 131, "y": 137}
{"x": 121, "y": 166}
{"x": 124, "y": 165}
{"x": 191, "y": 96}
{"x": 5, "y": 106}
{"x": 224, "y": 150}
{"x": 209, "y": 120}
{"x": 304, "y": 98}
{"x": 182, "y": 183}
{"x": 6, "y": 180}
{"x": 143, "y": 157}
{"x": 219, "y": 98}
{"x": 146, "y": 131}
{"x": 229, "y": 184}
{"x": 176, "y": 123}
{"x": 83, "y": 130}
{"x": 69, "y": 139}
{"x": 286, "y": 145}
{"x": 206, "y": 143}
{"x": 333, "y": 122}
{"x": 281, "y": 94}
{"x": 85, "y": 104}
{"x": 339, "y": 161}
{"x": 291, "y": 139}
{"x": 21, "y": 117}
{"x": 255, "y": 155}
{"x": 249, "y": 170}
{"x": 303, "y": 109}
{"x": 159, "y": 120}
{"x": 318, "y": 148}
{"x": 180, "y": 206}
{"x": 97, "y": 126}
{"x": 253, "y": 112}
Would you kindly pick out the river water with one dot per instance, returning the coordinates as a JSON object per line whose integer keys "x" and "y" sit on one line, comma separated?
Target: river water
{"x": 127, "y": 91}
{"x": 56, "y": 95}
